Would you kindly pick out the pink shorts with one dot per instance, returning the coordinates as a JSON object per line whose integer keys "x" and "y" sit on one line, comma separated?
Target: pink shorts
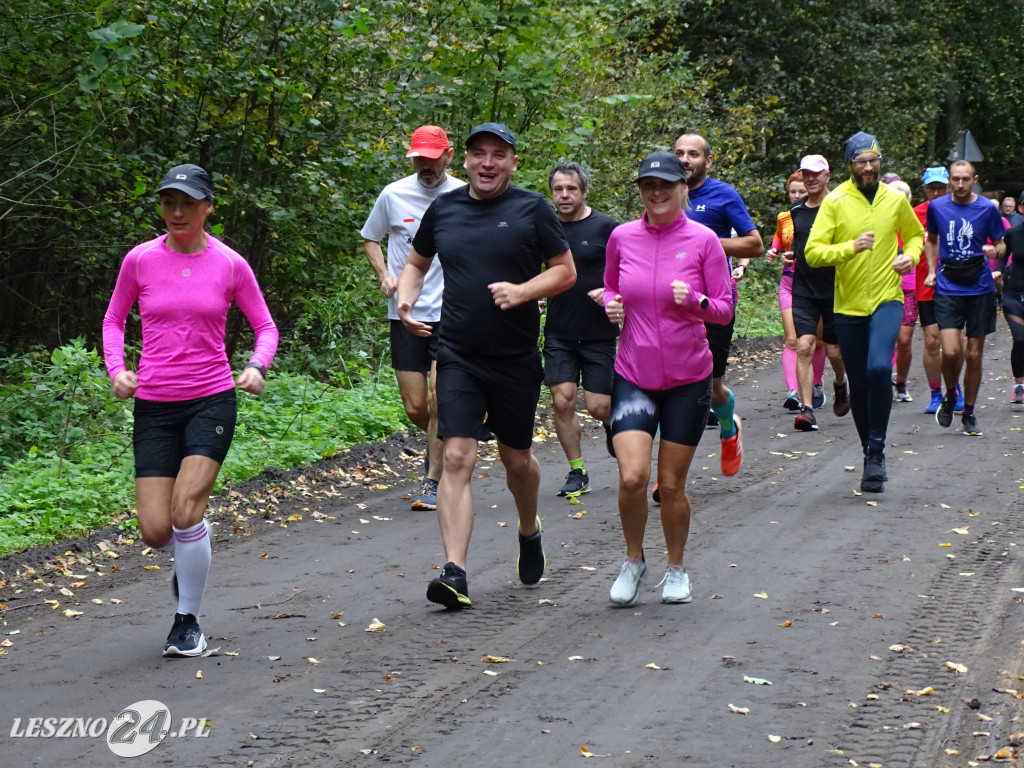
{"x": 909, "y": 308}
{"x": 786, "y": 292}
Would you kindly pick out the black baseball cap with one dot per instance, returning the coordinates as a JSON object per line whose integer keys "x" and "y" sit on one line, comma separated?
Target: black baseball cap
{"x": 662, "y": 165}
{"x": 190, "y": 179}
{"x": 500, "y": 130}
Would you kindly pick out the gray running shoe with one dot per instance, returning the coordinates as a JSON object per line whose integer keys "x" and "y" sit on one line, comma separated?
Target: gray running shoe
{"x": 970, "y": 426}
{"x": 576, "y": 482}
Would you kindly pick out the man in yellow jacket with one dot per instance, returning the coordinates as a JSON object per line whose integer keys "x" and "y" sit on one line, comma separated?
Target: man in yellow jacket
{"x": 858, "y": 231}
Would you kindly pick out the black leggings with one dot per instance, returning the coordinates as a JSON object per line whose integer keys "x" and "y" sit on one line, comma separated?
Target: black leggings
{"x": 1013, "y": 311}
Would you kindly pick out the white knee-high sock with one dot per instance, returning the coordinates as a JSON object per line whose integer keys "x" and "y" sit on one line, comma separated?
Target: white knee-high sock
{"x": 192, "y": 555}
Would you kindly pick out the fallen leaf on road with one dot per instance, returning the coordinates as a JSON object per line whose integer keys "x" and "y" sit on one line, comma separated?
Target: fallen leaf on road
{"x": 6, "y": 643}
{"x": 96, "y": 601}
{"x": 587, "y": 753}
{"x": 984, "y": 718}
{"x": 908, "y": 726}
{"x": 575, "y": 658}
{"x": 573, "y": 500}
{"x": 495, "y": 659}
{"x": 1006, "y": 753}
{"x": 652, "y": 666}
{"x": 375, "y": 626}
{"x": 756, "y": 680}
{"x": 739, "y": 710}
{"x": 944, "y": 506}
{"x": 151, "y": 567}
{"x": 294, "y": 517}
{"x": 274, "y": 658}
{"x": 762, "y": 595}
{"x": 952, "y": 666}
{"x": 849, "y": 469}
{"x": 872, "y": 503}
{"x": 66, "y": 592}
{"x": 922, "y": 692}
{"x": 946, "y": 544}
{"x": 774, "y": 739}
{"x": 199, "y": 674}
{"x": 952, "y": 751}
{"x": 943, "y": 710}
{"x": 587, "y": 568}
{"x": 311, "y": 660}
{"x": 319, "y": 690}
{"x": 786, "y": 623}
{"x": 490, "y": 672}
{"x": 361, "y": 751}
{"x": 70, "y": 613}
{"x": 962, "y": 531}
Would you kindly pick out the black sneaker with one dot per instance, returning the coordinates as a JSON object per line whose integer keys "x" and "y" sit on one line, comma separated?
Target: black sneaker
{"x": 840, "y": 399}
{"x": 944, "y": 416}
{"x": 185, "y": 639}
{"x": 576, "y": 482}
{"x": 656, "y": 494}
{"x": 712, "y": 419}
{"x": 608, "y": 440}
{"x": 970, "y": 425}
{"x": 874, "y": 472}
{"x": 450, "y": 589}
{"x": 531, "y": 562}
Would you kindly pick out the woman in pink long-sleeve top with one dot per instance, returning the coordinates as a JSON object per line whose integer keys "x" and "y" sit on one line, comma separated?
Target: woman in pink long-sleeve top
{"x": 665, "y": 275}
{"x": 185, "y": 405}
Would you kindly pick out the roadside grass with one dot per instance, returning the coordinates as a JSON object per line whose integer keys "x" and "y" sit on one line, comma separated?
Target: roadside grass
{"x": 65, "y": 440}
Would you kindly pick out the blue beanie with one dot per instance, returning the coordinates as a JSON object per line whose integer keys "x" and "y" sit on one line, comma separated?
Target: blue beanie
{"x": 859, "y": 142}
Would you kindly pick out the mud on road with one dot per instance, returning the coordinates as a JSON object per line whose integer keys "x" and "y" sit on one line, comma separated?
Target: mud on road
{"x": 887, "y": 626}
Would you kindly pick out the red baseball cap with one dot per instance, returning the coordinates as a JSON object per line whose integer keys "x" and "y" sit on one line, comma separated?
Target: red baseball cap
{"x": 428, "y": 141}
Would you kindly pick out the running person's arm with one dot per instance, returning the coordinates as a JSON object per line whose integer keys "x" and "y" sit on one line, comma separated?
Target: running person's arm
{"x": 126, "y": 291}
{"x": 745, "y": 246}
{"x": 410, "y": 284}
{"x": 931, "y": 253}
{"x": 374, "y": 254}
{"x": 250, "y": 300}
{"x": 559, "y": 276}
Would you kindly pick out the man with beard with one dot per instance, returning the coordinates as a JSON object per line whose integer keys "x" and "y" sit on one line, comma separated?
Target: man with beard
{"x": 579, "y": 339}
{"x": 813, "y": 299}
{"x": 965, "y": 231}
{"x": 857, "y": 231}
{"x": 493, "y": 240}
{"x": 718, "y": 205}
{"x": 396, "y": 215}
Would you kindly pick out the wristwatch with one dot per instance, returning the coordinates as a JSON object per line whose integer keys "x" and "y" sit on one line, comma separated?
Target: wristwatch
{"x": 703, "y": 301}
{"x": 258, "y": 367}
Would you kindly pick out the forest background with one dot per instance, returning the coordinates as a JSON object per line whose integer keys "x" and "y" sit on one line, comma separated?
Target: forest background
{"x": 302, "y": 111}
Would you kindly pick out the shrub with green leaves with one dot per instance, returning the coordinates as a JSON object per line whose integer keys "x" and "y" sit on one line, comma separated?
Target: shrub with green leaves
{"x": 65, "y": 440}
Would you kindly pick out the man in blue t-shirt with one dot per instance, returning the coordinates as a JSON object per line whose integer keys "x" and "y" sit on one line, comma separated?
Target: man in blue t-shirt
{"x": 718, "y": 205}
{"x": 965, "y": 231}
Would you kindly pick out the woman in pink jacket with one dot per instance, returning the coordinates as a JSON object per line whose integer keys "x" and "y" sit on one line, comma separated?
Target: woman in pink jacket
{"x": 185, "y": 407}
{"x": 664, "y": 277}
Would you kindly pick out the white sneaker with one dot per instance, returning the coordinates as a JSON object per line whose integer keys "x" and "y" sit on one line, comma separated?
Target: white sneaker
{"x": 677, "y": 585}
{"x": 627, "y": 585}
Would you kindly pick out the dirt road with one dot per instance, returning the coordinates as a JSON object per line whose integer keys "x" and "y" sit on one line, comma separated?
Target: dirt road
{"x": 852, "y": 607}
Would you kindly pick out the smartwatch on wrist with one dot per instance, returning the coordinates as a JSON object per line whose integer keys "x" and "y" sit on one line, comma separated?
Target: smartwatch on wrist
{"x": 703, "y": 301}
{"x": 258, "y": 367}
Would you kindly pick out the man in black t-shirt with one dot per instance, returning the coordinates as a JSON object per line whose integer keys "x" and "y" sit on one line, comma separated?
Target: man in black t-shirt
{"x": 493, "y": 239}
{"x": 813, "y": 299}
{"x": 579, "y": 339}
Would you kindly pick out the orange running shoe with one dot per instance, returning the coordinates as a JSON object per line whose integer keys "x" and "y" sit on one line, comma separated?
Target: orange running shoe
{"x": 732, "y": 449}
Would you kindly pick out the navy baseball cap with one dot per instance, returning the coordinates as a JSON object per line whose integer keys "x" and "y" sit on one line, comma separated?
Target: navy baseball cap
{"x": 662, "y": 165}
{"x": 190, "y": 179}
{"x": 500, "y": 130}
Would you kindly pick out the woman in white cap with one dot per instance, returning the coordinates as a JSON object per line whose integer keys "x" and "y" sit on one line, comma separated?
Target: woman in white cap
{"x": 665, "y": 275}
{"x": 184, "y": 389}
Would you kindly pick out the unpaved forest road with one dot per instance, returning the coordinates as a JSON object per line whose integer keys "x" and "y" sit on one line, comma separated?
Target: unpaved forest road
{"x": 787, "y": 540}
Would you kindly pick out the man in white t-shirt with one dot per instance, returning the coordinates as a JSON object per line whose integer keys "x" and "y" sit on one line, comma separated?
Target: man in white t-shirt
{"x": 396, "y": 215}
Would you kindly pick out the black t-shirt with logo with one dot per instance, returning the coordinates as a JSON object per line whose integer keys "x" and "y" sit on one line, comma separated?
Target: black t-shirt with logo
{"x": 479, "y": 242}
{"x": 573, "y": 314}
{"x": 808, "y": 282}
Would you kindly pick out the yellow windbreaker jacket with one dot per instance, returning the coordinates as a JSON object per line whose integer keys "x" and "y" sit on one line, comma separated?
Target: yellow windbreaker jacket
{"x": 866, "y": 279}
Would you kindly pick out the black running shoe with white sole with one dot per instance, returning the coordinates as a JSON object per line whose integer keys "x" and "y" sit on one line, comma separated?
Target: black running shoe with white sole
{"x": 185, "y": 638}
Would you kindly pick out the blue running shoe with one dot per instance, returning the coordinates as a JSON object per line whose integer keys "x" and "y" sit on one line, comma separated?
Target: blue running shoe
{"x": 959, "y": 406}
{"x": 934, "y": 403}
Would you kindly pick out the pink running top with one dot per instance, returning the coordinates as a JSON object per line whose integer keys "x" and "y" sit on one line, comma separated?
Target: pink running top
{"x": 183, "y": 303}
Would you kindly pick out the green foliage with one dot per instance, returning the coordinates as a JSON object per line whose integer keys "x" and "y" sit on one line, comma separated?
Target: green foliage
{"x": 66, "y": 441}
